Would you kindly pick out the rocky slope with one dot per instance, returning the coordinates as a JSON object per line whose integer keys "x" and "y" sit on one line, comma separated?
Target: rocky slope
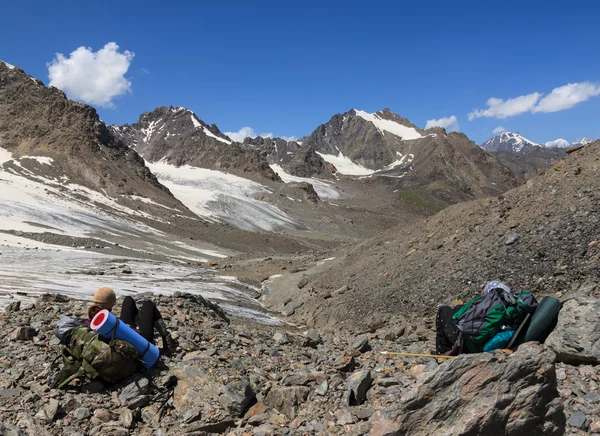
{"x": 177, "y": 136}
{"x": 292, "y": 156}
{"x": 530, "y": 161}
{"x": 40, "y": 121}
{"x": 542, "y": 236}
{"x": 242, "y": 379}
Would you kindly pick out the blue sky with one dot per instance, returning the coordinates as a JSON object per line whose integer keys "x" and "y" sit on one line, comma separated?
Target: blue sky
{"x": 286, "y": 67}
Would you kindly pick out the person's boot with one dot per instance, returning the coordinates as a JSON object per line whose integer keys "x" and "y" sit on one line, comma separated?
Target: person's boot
{"x": 169, "y": 343}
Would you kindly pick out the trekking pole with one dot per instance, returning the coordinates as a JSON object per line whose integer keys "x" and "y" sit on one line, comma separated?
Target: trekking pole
{"x": 434, "y": 356}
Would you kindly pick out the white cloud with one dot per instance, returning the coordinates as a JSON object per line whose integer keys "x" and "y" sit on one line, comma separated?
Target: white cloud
{"x": 561, "y": 98}
{"x": 498, "y": 130}
{"x": 498, "y": 108}
{"x": 567, "y": 96}
{"x": 449, "y": 123}
{"x": 248, "y": 132}
{"x": 92, "y": 77}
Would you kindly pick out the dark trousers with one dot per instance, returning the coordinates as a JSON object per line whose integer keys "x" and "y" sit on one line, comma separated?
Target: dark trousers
{"x": 446, "y": 333}
{"x": 142, "y": 318}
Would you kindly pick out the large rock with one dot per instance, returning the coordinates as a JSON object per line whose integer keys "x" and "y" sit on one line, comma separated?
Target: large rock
{"x": 576, "y": 338}
{"x": 357, "y": 386}
{"x": 287, "y": 400}
{"x": 487, "y": 393}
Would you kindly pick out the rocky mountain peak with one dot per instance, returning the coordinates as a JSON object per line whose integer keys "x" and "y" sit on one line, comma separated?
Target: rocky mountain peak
{"x": 177, "y": 136}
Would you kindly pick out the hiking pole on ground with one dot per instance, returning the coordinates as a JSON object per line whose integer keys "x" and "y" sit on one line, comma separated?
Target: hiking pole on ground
{"x": 434, "y": 356}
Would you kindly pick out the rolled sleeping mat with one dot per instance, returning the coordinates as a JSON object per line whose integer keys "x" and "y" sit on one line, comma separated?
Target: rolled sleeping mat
{"x": 104, "y": 322}
{"x": 543, "y": 320}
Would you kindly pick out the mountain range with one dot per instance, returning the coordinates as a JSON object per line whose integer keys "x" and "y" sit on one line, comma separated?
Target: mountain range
{"x": 175, "y": 168}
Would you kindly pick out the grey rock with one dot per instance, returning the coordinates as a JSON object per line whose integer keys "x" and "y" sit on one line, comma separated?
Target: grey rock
{"x": 322, "y": 388}
{"x": 578, "y": 420}
{"x": 344, "y": 417}
{"x": 313, "y": 338}
{"x": 298, "y": 379}
{"x": 126, "y": 269}
{"x": 126, "y": 418}
{"x": 362, "y": 343}
{"x": 81, "y": 413}
{"x": 7, "y": 429}
{"x": 139, "y": 385}
{"x": 281, "y": 338}
{"x": 302, "y": 283}
{"x": 357, "y": 386}
{"x": 12, "y": 308}
{"x": 592, "y": 398}
{"x": 212, "y": 427}
{"x": 287, "y": 400}
{"x": 477, "y": 393}
{"x": 192, "y": 415}
{"x": 237, "y": 397}
{"x": 345, "y": 364}
{"x": 511, "y": 239}
{"x": 576, "y": 338}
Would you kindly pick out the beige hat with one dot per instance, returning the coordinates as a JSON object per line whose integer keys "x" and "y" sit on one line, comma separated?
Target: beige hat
{"x": 105, "y": 298}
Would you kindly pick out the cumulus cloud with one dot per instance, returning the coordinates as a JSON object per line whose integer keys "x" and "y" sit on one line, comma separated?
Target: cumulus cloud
{"x": 498, "y": 130}
{"x": 92, "y": 77}
{"x": 561, "y": 98}
{"x": 248, "y": 132}
{"x": 498, "y": 108}
{"x": 449, "y": 123}
{"x": 567, "y": 96}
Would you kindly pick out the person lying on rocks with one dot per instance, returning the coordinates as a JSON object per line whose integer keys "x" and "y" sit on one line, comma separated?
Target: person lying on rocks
{"x": 143, "y": 319}
{"x": 496, "y": 314}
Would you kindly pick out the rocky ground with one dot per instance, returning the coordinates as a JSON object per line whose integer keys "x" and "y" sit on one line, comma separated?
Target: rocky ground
{"x": 238, "y": 378}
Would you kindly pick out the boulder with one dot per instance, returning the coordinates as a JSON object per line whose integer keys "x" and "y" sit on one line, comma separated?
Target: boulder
{"x": 576, "y": 338}
{"x": 237, "y": 397}
{"x": 23, "y": 334}
{"x": 357, "y": 386}
{"x": 287, "y": 400}
{"x": 486, "y": 393}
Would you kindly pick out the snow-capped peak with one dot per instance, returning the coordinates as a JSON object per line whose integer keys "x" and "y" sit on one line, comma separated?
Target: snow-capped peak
{"x": 558, "y": 143}
{"x": 508, "y": 141}
{"x": 389, "y": 126}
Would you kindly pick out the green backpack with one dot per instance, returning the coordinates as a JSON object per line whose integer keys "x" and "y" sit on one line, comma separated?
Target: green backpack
{"x": 87, "y": 354}
{"x": 481, "y": 318}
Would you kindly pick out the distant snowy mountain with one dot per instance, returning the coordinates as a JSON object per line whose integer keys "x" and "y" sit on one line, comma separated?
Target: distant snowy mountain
{"x": 508, "y": 142}
{"x": 581, "y": 142}
{"x": 558, "y": 143}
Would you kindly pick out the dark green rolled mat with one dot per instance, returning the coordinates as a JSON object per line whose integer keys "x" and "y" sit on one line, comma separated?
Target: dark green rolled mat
{"x": 543, "y": 320}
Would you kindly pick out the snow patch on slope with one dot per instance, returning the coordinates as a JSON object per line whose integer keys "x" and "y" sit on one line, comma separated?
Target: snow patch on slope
{"x": 389, "y": 126}
{"x": 198, "y": 125}
{"x": 345, "y": 165}
{"x": 322, "y": 188}
{"x": 10, "y": 67}
{"x": 221, "y": 197}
